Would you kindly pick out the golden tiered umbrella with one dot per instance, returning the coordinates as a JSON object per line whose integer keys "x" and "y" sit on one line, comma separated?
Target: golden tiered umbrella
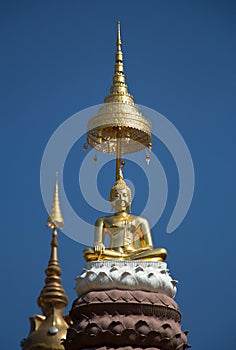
{"x": 119, "y": 126}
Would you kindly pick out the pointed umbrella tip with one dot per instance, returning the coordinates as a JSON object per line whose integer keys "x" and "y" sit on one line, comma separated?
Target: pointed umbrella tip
{"x": 55, "y": 219}
{"x": 118, "y": 36}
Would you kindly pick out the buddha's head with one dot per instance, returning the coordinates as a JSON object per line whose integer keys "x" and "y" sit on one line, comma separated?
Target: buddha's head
{"x": 120, "y": 196}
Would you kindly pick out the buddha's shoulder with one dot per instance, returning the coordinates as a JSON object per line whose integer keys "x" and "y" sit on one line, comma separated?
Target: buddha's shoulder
{"x": 139, "y": 219}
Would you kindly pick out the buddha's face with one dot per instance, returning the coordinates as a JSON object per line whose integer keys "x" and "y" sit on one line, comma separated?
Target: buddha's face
{"x": 120, "y": 200}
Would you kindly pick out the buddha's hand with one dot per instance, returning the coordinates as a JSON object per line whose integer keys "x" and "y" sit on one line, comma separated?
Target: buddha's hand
{"x": 99, "y": 247}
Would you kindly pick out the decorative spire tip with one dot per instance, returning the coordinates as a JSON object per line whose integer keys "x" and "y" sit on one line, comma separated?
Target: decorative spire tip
{"x": 55, "y": 219}
{"x": 118, "y": 36}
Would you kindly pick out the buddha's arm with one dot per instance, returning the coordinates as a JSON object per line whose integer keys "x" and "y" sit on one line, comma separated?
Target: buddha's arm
{"x": 99, "y": 235}
{"x": 146, "y": 238}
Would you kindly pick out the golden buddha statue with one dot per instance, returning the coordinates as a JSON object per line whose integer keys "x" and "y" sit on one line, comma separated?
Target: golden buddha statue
{"x": 119, "y": 127}
{"x": 130, "y": 236}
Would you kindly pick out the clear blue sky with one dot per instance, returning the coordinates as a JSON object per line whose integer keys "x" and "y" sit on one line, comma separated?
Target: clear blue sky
{"x": 56, "y": 59}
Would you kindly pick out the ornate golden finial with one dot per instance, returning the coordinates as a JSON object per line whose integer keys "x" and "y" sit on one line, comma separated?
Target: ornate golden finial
{"x": 119, "y": 89}
{"x": 55, "y": 219}
{"x": 48, "y": 329}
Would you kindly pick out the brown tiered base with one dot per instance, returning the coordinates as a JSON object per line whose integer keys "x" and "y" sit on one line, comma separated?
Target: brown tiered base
{"x": 120, "y": 319}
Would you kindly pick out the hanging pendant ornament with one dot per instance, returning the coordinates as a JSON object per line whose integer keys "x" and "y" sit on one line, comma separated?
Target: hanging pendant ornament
{"x": 95, "y": 159}
{"x": 85, "y": 147}
{"x": 148, "y": 158}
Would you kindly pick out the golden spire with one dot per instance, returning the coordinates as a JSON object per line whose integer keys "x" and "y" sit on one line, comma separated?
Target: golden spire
{"x": 55, "y": 219}
{"x": 119, "y": 89}
{"x": 52, "y": 299}
{"x": 53, "y": 294}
